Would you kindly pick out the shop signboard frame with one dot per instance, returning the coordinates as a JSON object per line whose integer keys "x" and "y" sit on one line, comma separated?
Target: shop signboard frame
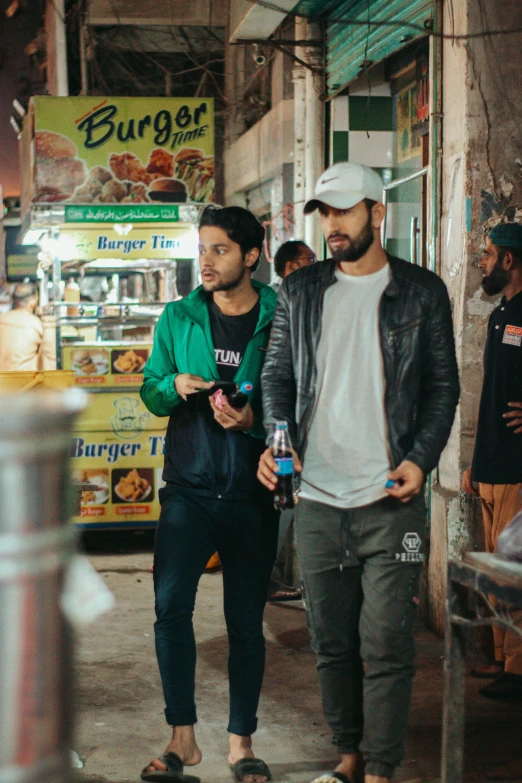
{"x": 161, "y": 242}
{"x": 107, "y": 151}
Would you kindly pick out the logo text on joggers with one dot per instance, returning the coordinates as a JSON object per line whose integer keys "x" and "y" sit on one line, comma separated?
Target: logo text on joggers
{"x": 411, "y": 543}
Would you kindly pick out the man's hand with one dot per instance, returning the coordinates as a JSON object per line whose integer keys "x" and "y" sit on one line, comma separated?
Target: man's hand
{"x": 232, "y": 419}
{"x": 186, "y": 383}
{"x": 515, "y": 416}
{"x": 467, "y": 484}
{"x": 267, "y": 470}
{"x": 409, "y": 479}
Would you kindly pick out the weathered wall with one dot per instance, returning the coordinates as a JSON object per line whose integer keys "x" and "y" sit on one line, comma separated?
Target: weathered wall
{"x": 481, "y": 184}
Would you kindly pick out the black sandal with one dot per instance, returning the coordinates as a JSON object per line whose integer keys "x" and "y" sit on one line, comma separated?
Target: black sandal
{"x": 173, "y": 773}
{"x": 245, "y": 767}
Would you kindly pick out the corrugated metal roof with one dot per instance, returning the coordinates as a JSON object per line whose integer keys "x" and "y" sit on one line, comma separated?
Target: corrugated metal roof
{"x": 313, "y": 8}
{"x": 347, "y": 40}
{"x": 348, "y": 36}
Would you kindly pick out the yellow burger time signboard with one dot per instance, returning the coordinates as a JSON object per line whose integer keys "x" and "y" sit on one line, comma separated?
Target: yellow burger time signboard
{"x": 98, "y": 151}
{"x": 105, "y": 242}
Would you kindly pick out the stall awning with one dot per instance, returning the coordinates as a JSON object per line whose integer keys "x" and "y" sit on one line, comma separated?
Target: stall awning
{"x": 250, "y": 20}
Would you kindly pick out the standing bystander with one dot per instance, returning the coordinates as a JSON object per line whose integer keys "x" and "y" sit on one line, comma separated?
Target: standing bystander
{"x": 23, "y": 344}
{"x": 290, "y": 257}
{"x": 497, "y": 460}
{"x": 361, "y": 365}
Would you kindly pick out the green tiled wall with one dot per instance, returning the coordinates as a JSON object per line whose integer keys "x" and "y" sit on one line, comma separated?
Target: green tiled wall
{"x": 373, "y": 114}
{"x": 340, "y": 146}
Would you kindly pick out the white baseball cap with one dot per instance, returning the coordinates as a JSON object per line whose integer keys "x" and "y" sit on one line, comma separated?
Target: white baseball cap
{"x": 343, "y": 185}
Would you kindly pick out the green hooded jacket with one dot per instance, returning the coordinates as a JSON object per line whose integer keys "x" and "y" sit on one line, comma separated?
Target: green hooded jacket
{"x": 183, "y": 344}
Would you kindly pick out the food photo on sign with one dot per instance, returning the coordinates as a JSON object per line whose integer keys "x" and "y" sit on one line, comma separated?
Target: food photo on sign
{"x": 123, "y": 150}
{"x": 131, "y": 486}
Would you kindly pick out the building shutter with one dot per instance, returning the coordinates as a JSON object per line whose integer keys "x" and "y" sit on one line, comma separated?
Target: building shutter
{"x": 349, "y": 45}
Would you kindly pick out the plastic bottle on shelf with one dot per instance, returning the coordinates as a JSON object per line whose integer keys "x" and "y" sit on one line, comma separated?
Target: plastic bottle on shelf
{"x": 72, "y": 294}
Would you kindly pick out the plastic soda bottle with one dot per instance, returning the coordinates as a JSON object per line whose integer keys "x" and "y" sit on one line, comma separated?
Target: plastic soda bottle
{"x": 283, "y": 455}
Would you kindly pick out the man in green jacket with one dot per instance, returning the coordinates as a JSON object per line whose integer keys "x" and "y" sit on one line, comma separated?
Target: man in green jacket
{"x": 212, "y": 500}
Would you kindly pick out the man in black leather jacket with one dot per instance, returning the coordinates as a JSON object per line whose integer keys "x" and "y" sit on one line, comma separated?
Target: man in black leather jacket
{"x": 361, "y": 365}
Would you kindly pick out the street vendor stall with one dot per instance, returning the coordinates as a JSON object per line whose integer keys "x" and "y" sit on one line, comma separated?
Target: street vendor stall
{"x": 113, "y": 195}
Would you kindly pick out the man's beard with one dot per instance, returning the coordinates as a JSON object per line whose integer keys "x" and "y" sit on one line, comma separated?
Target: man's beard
{"x": 496, "y": 281}
{"x": 229, "y": 284}
{"x": 358, "y": 246}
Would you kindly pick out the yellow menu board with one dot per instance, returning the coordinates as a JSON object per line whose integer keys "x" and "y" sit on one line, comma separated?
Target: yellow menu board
{"x": 127, "y": 475}
{"x": 105, "y": 366}
{"x": 121, "y": 413}
{"x": 117, "y": 447}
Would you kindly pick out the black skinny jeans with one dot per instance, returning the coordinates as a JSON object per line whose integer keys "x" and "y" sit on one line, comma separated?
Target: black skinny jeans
{"x": 190, "y": 529}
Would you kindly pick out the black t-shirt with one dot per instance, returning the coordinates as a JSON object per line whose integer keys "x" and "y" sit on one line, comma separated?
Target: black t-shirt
{"x": 498, "y": 451}
{"x": 230, "y": 336}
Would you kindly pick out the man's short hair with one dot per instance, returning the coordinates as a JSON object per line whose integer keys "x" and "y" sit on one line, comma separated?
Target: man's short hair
{"x": 240, "y": 225}
{"x": 287, "y": 252}
{"x": 516, "y": 252}
{"x": 22, "y": 292}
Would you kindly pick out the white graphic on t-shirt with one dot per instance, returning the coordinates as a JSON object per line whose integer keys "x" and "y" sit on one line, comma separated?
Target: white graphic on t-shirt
{"x": 228, "y": 358}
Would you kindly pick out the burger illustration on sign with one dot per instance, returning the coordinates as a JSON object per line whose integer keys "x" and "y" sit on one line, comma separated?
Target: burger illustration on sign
{"x": 187, "y": 175}
{"x": 197, "y": 171}
{"x": 58, "y": 171}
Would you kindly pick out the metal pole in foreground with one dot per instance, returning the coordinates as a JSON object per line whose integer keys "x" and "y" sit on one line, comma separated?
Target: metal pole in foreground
{"x": 36, "y": 544}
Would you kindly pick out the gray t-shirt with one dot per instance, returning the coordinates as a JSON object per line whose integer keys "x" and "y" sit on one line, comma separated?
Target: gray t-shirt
{"x": 347, "y": 458}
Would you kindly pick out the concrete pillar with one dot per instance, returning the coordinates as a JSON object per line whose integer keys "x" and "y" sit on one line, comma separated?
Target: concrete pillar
{"x": 314, "y": 133}
{"x": 299, "y": 80}
{"x": 277, "y": 224}
{"x": 56, "y": 37}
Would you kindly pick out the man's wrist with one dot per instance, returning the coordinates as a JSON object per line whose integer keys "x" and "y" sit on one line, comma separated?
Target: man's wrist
{"x": 250, "y": 419}
{"x": 416, "y": 463}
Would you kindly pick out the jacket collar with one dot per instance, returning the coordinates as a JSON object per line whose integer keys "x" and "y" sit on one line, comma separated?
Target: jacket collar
{"x": 194, "y": 306}
{"x": 393, "y": 287}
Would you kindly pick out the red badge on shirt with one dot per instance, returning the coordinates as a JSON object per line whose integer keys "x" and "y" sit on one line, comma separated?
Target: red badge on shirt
{"x": 512, "y": 335}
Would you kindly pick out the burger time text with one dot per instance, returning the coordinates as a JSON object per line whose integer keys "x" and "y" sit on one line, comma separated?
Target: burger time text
{"x": 114, "y": 451}
{"x": 126, "y": 246}
{"x": 101, "y": 125}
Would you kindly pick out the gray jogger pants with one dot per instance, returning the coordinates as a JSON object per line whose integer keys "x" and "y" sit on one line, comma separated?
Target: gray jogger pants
{"x": 361, "y": 569}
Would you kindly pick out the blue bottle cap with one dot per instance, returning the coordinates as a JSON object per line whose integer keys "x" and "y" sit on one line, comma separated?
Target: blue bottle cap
{"x": 390, "y": 484}
{"x": 246, "y": 387}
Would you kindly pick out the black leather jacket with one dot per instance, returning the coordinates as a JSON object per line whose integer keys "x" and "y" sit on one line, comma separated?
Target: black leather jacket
{"x": 416, "y": 333}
